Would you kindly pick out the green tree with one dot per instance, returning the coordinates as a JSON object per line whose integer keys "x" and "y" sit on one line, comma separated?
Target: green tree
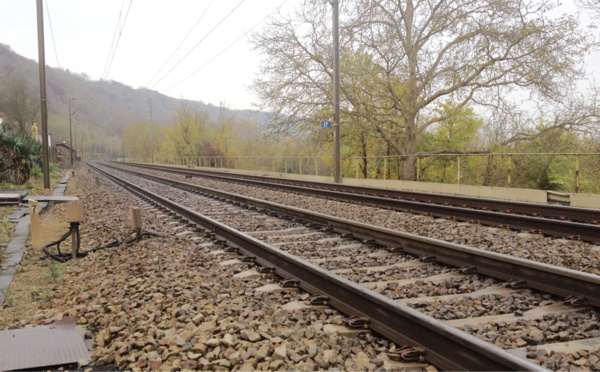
{"x": 189, "y": 134}
{"x": 422, "y": 54}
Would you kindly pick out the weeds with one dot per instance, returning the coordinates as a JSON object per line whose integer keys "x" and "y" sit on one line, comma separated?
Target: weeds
{"x": 47, "y": 295}
{"x": 34, "y": 293}
{"x": 55, "y": 271}
{"x": 6, "y": 228}
{"x": 36, "y": 172}
{"x": 9, "y": 297}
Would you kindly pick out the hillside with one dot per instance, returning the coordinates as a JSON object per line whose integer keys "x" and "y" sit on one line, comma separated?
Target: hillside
{"x": 99, "y": 105}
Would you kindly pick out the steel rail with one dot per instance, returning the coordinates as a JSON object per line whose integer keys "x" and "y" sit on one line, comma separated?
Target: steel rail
{"x": 447, "y": 347}
{"x": 552, "y": 227}
{"x": 526, "y": 208}
{"x": 544, "y": 277}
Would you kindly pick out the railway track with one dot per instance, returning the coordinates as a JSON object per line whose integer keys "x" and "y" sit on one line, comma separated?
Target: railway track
{"x": 384, "y": 262}
{"x": 552, "y": 220}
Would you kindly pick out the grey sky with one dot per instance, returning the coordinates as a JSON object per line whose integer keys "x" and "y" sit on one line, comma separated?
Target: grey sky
{"x": 84, "y": 29}
{"x": 83, "y": 33}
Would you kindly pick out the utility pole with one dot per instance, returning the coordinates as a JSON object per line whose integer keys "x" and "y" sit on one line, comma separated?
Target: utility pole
{"x": 71, "y": 130}
{"x": 42, "y": 65}
{"x": 337, "y": 177}
{"x": 151, "y": 136}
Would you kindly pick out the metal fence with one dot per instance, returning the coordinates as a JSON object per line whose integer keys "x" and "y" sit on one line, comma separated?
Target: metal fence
{"x": 567, "y": 172}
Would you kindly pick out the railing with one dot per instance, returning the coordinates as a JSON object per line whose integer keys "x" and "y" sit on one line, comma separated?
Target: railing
{"x": 567, "y": 172}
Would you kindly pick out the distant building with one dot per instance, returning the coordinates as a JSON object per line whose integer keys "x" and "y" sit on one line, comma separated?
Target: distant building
{"x": 63, "y": 155}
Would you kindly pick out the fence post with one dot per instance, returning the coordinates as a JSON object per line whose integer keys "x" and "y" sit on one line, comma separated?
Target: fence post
{"x": 576, "y": 174}
{"x": 316, "y": 166}
{"x": 458, "y": 170}
{"x": 385, "y": 168}
{"x": 418, "y": 169}
{"x": 285, "y": 164}
{"x": 509, "y": 170}
{"x": 300, "y": 165}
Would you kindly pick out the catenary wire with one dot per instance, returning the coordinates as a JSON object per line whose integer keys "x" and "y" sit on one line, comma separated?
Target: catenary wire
{"x": 112, "y": 44}
{"x": 201, "y": 40}
{"x": 227, "y": 47}
{"x": 52, "y": 34}
{"x": 180, "y": 44}
{"x": 122, "y": 26}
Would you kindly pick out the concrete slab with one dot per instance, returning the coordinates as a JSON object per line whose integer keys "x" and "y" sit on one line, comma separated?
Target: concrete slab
{"x": 390, "y": 365}
{"x": 401, "y": 282}
{"x": 493, "y": 290}
{"x": 15, "y": 216}
{"x": 343, "y": 330}
{"x": 12, "y": 197}
{"x": 249, "y": 275}
{"x": 235, "y": 261}
{"x": 295, "y": 230}
{"x": 589, "y": 344}
{"x": 275, "y": 288}
{"x": 321, "y": 260}
{"x": 51, "y": 198}
{"x": 530, "y": 235}
{"x": 221, "y": 252}
{"x": 301, "y": 305}
{"x": 347, "y": 247}
{"x": 403, "y": 265}
{"x": 533, "y": 314}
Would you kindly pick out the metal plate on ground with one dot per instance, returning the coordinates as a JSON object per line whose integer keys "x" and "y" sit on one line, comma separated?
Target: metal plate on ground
{"x": 55, "y": 344}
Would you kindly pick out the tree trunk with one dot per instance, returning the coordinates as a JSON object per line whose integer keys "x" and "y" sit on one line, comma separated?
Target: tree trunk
{"x": 410, "y": 149}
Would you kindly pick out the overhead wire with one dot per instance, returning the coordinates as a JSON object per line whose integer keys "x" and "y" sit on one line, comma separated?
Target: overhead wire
{"x": 113, "y": 40}
{"x": 52, "y": 33}
{"x": 229, "y": 46}
{"x": 180, "y": 44}
{"x": 199, "y": 42}
{"x": 122, "y": 26}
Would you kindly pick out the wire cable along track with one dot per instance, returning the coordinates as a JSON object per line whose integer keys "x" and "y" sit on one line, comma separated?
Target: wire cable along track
{"x": 567, "y": 222}
{"x": 446, "y": 346}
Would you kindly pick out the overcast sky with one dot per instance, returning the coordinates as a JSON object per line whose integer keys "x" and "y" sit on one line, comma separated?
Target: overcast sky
{"x": 153, "y": 30}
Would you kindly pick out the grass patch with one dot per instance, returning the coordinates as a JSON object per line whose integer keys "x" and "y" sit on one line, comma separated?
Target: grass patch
{"x": 9, "y": 298}
{"x": 55, "y": 271}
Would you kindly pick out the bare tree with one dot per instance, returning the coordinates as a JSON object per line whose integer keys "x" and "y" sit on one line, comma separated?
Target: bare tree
{"x": 417, "y": 56}
{"x": 19, "y": 104}
{"x": 591, "y": 5}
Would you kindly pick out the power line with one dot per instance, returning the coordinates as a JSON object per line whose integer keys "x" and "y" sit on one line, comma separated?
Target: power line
{"x": 114, "y": 51}
{"x": 180, "y": 44}
{"x": 229, "y": 46}
{"x": 113, "y": 40}
{"x": 201, "y": 40}
{"x": 52, "y": 33}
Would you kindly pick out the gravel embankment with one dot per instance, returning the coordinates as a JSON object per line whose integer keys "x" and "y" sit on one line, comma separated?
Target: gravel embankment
{"x": 166, "y": 303}
{"x": 570, "y": 254}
